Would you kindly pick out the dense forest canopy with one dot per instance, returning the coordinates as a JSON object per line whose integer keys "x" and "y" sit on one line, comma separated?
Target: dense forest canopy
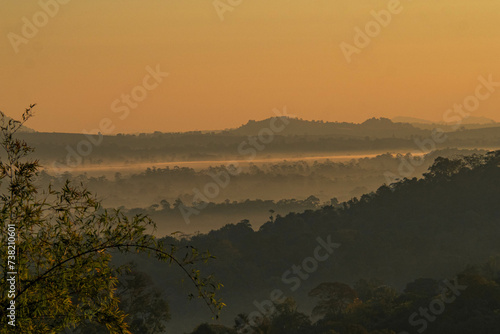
{"x": 416, "y": 230}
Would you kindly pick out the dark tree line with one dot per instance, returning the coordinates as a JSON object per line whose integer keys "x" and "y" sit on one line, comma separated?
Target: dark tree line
{"x": 430, "y": 227}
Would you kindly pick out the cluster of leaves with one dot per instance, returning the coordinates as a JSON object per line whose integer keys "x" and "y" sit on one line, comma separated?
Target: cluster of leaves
{"x": 64, "y": 246}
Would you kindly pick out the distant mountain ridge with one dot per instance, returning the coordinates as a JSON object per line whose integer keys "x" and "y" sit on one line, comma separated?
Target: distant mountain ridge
{"x": 375, "y": 127}
{"x": 468, "y": 120}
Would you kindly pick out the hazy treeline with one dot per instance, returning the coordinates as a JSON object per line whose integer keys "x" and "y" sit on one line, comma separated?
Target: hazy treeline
{"x": 282, "y": 187}
{"x": 268, "y": 181}
{"x": 190, "y": 219}
{"x": 431, "y": 227}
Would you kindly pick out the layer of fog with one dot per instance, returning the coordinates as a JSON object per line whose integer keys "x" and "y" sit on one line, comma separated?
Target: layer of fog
{"x": 188, "y": 199}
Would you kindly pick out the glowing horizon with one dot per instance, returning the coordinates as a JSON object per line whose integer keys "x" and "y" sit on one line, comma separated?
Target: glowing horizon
{"x": 263, "y": 55}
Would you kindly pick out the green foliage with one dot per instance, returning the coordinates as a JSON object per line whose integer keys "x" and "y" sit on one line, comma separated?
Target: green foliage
{"x": 64, "y": 246}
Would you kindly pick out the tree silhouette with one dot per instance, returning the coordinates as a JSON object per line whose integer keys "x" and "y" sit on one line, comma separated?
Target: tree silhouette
{"x": 63, "y": 248}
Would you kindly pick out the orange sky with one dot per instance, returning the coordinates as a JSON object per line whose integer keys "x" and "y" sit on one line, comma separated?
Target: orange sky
{"x": 265, "y": 54}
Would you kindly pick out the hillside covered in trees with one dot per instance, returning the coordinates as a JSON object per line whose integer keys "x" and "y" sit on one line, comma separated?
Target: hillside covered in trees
{"x": 401, "y": 241}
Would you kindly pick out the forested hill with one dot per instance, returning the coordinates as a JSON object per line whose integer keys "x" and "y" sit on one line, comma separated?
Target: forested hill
{"x": 374, "y": 127}
{"x": 424, "y": 226}
{"x": 294, "y": 137}
{"x": 432, "y": 227}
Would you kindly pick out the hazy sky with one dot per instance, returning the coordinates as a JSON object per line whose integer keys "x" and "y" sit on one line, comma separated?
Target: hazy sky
{"x": 265, "y": 54}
